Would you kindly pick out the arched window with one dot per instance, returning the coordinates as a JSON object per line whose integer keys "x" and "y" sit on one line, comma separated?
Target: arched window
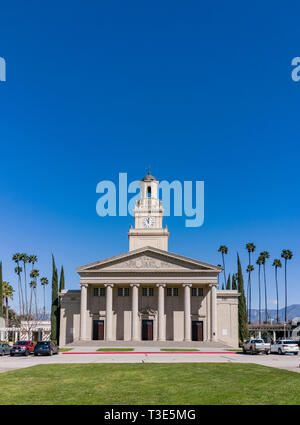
{"x": 149, "y": 191}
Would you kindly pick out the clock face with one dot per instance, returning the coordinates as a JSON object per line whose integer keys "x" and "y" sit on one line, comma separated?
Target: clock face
{"x": 148, "y": 222}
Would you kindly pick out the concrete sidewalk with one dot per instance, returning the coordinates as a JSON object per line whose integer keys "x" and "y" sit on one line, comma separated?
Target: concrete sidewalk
{"x": 288, "y": 362}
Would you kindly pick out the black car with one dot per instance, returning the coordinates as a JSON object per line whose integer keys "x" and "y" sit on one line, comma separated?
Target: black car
{"x": 46, "y": 348}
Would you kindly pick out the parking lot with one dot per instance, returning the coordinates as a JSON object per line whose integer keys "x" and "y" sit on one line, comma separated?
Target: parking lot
{"x": 144, "y": 355}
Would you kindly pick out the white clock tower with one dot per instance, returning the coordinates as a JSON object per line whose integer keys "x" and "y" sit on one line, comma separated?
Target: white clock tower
{"x": 148, "y": 217}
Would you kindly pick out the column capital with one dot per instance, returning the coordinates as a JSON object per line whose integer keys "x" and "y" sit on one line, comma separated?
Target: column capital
{"x": 109, "y": 284}
{"x": 134, "y": 284}
{"x": 84, "y": 285}
{"x": 187, "y": 284}
{"x": 161, "y": 284}
{"x": 212, "y": 284}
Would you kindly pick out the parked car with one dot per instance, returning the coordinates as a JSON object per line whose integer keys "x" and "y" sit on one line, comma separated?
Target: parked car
{"x": 255, "y": 346}
{"x": 45, "y": 348}
{"x": 22, "y": 347}
{"x": 284, "y": 346}
{"x": 4, "y": 349}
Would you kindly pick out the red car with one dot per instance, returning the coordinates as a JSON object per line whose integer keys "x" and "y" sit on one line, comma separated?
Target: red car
{"x": 22, "y": 347}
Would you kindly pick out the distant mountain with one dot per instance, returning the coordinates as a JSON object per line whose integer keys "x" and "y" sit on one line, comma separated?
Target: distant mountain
{"x": 292, "y": 312}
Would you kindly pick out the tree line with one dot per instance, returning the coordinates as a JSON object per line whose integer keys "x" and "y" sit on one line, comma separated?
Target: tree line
{"x": 26, "y": 289}
{"x": 261, "y": 261}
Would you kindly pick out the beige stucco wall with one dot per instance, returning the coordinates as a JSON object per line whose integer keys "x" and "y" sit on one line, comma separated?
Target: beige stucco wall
{"x": 69, "y": 317}
{"x": 227, "y": 312}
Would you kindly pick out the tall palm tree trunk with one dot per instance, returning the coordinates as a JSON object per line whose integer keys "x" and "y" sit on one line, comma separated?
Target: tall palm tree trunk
{"x": 25, "y": 293}
{"x": 249, "y": 284}
{"x": 6, "y": 310}
{"x": 250, "y": 297}
{"x": 21, "y": 299}
{"x": 224, "y": 269}
{"x": 266, "y": 302}
{"x": 248, "y": 301}
{"x": 36, "y": 303}
{"x": 259, "y": 296}
{"x": 285, "y": 284}
{"x": 44, "y": 302}
{"x": 277, "y": 312}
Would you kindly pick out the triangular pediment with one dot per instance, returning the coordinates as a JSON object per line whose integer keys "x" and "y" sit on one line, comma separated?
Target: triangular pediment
{"x": 150, "y": 259}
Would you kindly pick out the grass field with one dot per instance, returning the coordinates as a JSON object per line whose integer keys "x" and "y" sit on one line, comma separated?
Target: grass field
{"x": 179, "y": 349}
{"x": 189, "y": 383}
{"x": 115, "y": 349}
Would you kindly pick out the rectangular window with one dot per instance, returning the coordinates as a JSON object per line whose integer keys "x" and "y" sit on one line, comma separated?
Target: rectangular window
{"x": 123, "y": 292}
{"x": 99, "y": 292}
{"x": 172, "y": 292}
{"x": 147, "y": 292}
{"x": 197, "y": 292}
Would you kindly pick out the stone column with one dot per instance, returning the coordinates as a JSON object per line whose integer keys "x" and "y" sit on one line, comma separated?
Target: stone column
{"x": 83, "y": 311}
{"x": 109, "y": 311}
{"x": 135, "y": 312}
{"x": 161, "y": 312}
{"x": 214, "y": 319}
{"x": 187, "y": 312}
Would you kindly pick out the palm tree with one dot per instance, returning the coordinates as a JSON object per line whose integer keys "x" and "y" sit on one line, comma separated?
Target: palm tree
{"x": 259, "y": 261}
{"x": 17, "y": 258}
{"x": 250, "y": 247}
{"x": 287, "y": 255}
{"x": 34, "y": 274}
{"x": 32, "y": 259}
{"x": 24, "y": 259}
{"x": 249, "y": 271}
{"x": 224, "y": 250}
{"x": 44, "y": 282}
{"x": 276, "y": 264}
{"x": 265, "y": 255}
{"x": 7, "y": 293}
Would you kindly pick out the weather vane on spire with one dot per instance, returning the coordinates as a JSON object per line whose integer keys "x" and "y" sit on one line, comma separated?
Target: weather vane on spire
{"x": 149, "y": 170}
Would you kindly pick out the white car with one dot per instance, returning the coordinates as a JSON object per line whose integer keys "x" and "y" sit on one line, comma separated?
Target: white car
{"x": 284, "y": 346}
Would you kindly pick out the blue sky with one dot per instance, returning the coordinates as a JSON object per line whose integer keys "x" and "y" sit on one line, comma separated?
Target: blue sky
{"x": 199, "y": 91}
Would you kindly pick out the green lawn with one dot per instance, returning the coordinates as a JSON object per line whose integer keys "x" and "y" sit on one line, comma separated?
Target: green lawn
{"x": 64, "y": 350}
{"x": 189, "y": 383}
{"x": 179, "y": 349}
{"x": 115, "y": 349}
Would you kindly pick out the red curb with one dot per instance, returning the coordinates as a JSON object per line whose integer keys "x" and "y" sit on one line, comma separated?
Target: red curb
{"x": 153, "y": 352}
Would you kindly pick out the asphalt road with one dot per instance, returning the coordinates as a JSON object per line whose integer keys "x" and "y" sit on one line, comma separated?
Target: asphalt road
{"x": 145, "y": 355}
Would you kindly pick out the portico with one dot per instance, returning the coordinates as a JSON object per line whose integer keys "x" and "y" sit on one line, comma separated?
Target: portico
{"x": 140, "y": 309}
